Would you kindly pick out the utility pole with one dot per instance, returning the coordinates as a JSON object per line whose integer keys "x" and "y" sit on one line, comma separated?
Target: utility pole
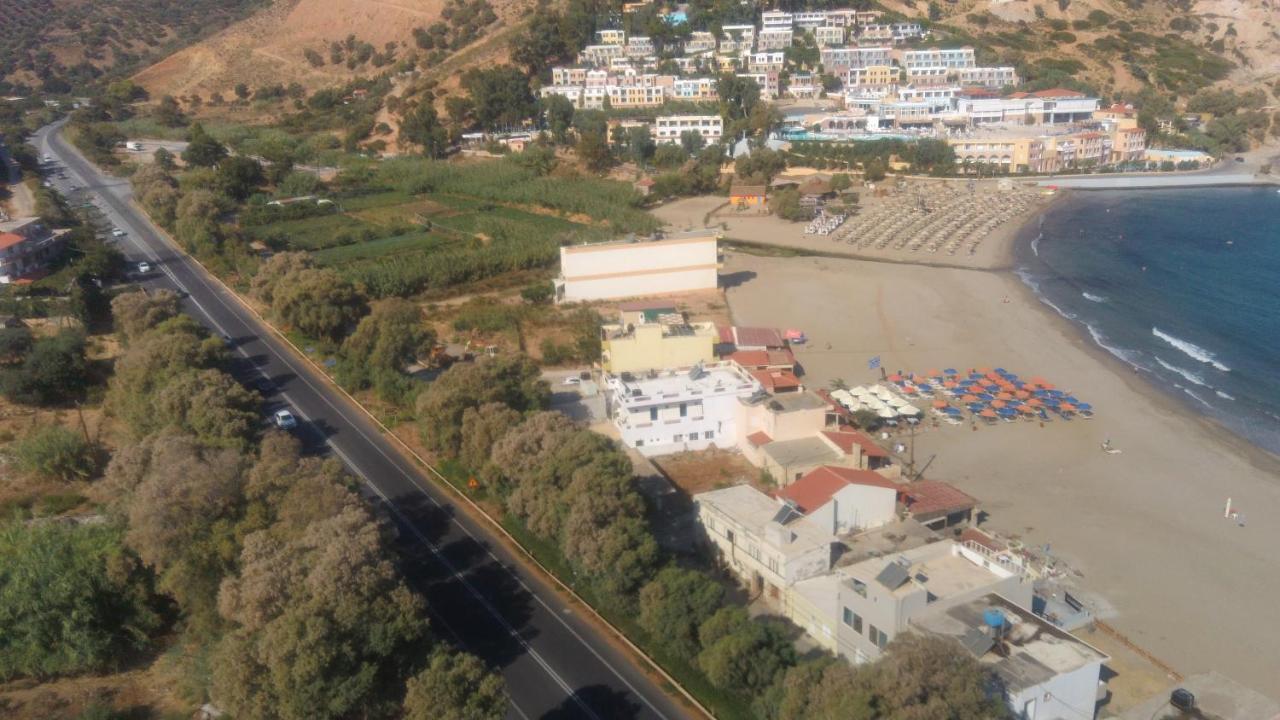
{"x": 84, "y": 428}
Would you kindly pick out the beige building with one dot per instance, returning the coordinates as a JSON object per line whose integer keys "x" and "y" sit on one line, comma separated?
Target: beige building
{"x": 656, "y": 346}
{"x": 680, "y": 262}
{"x": 767, "y": 545}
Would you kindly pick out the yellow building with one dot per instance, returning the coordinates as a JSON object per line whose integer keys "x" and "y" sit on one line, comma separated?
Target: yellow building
{"x": 656, "y": 346}
{"x": 1014, "y": 154}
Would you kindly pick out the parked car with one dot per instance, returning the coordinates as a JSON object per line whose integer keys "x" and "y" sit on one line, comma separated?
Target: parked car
{"x": 571, "y": 380}
{"x": 144, "y": 267}
{"x": 285, "y": 420}
{"x": 117, "y": 232}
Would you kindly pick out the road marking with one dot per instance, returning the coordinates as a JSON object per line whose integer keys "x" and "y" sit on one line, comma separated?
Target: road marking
{"x": 181, "y": 258}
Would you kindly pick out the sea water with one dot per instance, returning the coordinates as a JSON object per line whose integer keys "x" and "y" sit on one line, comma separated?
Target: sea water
{"x": 1182, "y": 285}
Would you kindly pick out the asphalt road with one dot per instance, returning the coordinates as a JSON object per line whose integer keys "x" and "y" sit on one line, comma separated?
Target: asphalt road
{"x": 555, "y": 664}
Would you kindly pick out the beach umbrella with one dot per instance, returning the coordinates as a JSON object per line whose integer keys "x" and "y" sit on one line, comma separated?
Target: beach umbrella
{"x": 1022, "y": 394}
{"x": 1055, "y": 393}
{"x": 1001, "y": 371}
{"x": 887, "y": 413}
{"x": 909, "y": 410}
{"x": 1006, "y": 412}
{"x": 1046, "y": 386}
{"x": 933, "y": 373}
{"x": 1004, "y": 396}
{"x": 983, "y": 371}
{"x": 976, "y": 407}
{"x": 988, "y": 413}
{"x": 925, "y": 387}
{"x": 950, "y": 371}
{"x": 1037, "y": 380}
{"x": 1084, "y": 406}
{"x": 969, "y": 399}
{"x": 1027, "y": 409}
{"x": 950, "y": 384}
{"x": 895, "y": 378}
{"x": 953, "y": 411}
{"x": 1034, "y": 402}
{"x": 1067, "y": 407}
{"x": 997, "y": 404}
{"x": 1072, "y": 399}
{"x": 987, "y": 397}
{"x": 940, "y": 404}
{"x": 909, "y": 389}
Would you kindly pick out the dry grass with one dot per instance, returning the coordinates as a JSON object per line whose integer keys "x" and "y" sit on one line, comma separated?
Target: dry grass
{"x": 697, "y": 472}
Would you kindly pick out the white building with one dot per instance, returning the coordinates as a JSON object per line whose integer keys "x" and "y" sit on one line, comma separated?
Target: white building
{"x": 763, "y": 62}
{"x": 766, "y": 81}
{"x": 988, "y": 77}
{"x": 611, "y": 37}
{"x": 768, "y": 545}
{"x": 839, "y": 60}
{"x": 828, "y": 35}
{"x": 599, "y": 55}
{"x": 1043, "y": 107}
{"x": 700, "y": 41}
{"x": 1047, "y": 673}
{"x": 695, "y": 89}
{"x": 639, "y": 46}
{"x": 628, "y": 268}
{"x": 774, "y": 39}
{"x": 953, "y": 58}
{"x": 678, "y": 410}
{"x": 843, "y": 499}
{"x": 669, "y": 128}
{"x": 810, "y": 19}
{"x": 737, "y": 38}
{"x": 572, "y": 93}
{"x": 776, "y": 19}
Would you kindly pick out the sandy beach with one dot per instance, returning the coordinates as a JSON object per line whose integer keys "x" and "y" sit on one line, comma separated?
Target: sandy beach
{"x": 993, "y": 252}
{"x": 1144, "y": 528}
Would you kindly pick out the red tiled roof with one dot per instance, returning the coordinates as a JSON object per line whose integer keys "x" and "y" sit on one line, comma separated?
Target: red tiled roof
{"x": 983, "y": 539}
{"x": 763, "y": 358}
{"x": 774, "y": 380}
{"x": 817, "y": 486}
{"x": 848, "y": 439}
{"x": 9, "y": 240}
{"x": 759, "y": 438}
{"x": 931, "y": 497}
{"x": 726, "y": 333}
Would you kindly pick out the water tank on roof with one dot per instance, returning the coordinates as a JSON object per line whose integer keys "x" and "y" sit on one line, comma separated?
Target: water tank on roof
{"x": 993, "y": 618}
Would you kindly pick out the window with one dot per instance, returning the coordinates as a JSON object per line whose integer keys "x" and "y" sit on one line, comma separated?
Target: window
{"x": 653, "y": 413}
{"x": 639, "y": 443}
{"x": 684, "y": 410}
{"x": 679, "y": 437}
{"x": 877, "y": 637}
{"x": 728, "y": 534}
{"x": 708, "y": 435}
{"x": 853, "y": 620}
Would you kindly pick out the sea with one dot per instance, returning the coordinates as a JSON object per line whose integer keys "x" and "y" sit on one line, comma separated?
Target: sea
{"x": 1182, "y": 285}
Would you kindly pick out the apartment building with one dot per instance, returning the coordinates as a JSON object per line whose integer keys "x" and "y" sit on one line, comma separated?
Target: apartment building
{"x": 26, "y": 247}
{"x": 701, "y": 89}
{"x": 636, "y": 348}
{"x": 700, "y": 41}
{"x": 628, "y": 268}
{"x": 600, "y": 55}
{"x": 810, "y": 19}
{"x": 927, "y": 75}
{"x": 893, "y": 33}
{"x": 1128, "y": 144}
{"x": 679, "y": 410}
{"x": 639, "y": 46}
{"x": 670, "y": 128}
{"x": 769, "y": 546}
{"x": 857, "y": 609}
{"x": 938, "y": 97}
{"x": 766, "y": 62}
{"x": 841, "y": 60}
{"x": 951, "y": 58}
{"x": 829, "y": 35}
{"x": 737, "y": 39}
{"x": 803, "y": 85}
{"x": 988, "y": 77}
{"x": 767, "y": 82}
{"x": 871, "y": 79}
{"x": 611, "y": 37}
{"x": 776, "y": 19}
{"x": 774, "y": 39}
{"x": 1010, "y": 154}
{"x": 636, "y": 96}
{"x": 1043, "y": 107}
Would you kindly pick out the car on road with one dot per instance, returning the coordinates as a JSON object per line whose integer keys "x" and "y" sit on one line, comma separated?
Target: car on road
{"x": 285, "y": 420}
{"x": 1239, "y": 159}
{"x": 117, "y": 232}
{"x": 227, "y": 340}
{"x": 571, "y": 380}
{"x": 46, "y": 158}
{"x": 144, "y": 267}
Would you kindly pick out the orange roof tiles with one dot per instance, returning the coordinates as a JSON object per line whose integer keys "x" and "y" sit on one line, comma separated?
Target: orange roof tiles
{"x": 816, "y": 488}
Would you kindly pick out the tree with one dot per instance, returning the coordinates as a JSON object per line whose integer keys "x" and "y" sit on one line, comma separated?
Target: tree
{"x": 318, "y": 303}
{"x": 537, "y": 293}
{"x": 933, "y": 677}
{"x": 743, "y": 654}
{"x": 15, "y": 343}
{"x": 138, "y": 312}
{"x": 54, "y": 452}
{"x": 785, "y": 203}
{"x": 670, "y": 156}
{"x": 71, "y": 599}
{"x": 935, "y": 12}
{"x": 210, "y": 405}
{"x": 512, "y": 380}
{"x": 242, "y": 91}
{"x": 239, "y": 176}
{"x": 390, "y": 337}
{"x": 53, "y": 371}
{"x": 825, "y": 688}
{"x": 674, "y": 604}
{"x": 482, "y": 427}
{"x": 640, "y": 145}
{"x": 422, "y": 126}
{"x": 202, "y": 150}
{"x": 738, "y": 98}
{"x": 173, "y": 348}
{"x": 557, "y": 113}
{"x": 455, "y": 686}
{"x": 169, "y": 113}
{"x": 874, "y": 170}
{"x": 271, "y": 272}
{"x": 605, "y": 534}
{"x": 501, "y": 96}
{"x": 323, "y": 624}
{"x": 593, "y": 150}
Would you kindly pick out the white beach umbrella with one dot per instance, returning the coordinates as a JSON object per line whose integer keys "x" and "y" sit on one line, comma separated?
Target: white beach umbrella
{"x": 910, "y": 410}
{"x": 887, "y": 413}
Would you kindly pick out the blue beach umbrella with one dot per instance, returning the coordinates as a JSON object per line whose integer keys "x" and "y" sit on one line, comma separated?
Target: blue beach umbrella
{"x": 949, "y": 371}
{"x": 1001, "y": 371}
{"x": 986, "y": 396}
{"x": 1083, "y": 406}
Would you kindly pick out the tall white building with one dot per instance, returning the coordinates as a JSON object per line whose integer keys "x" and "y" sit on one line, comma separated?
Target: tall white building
{"x": 952, "y": 58}
{"x": 678, "y": 410}
{"x": 628, "y": 268}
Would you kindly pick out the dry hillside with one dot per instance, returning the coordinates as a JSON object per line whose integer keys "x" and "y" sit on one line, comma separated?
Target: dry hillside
{"x": 270, "y": 47}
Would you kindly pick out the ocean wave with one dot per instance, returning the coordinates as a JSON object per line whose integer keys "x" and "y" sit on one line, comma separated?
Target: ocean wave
{"x": 1197, "y": 398}
{"x": 1125, "y": 355}
{"x": 1035, "y": 244}
{"x": 1190, "y": 350}
{"x": 1093, "y": 298}
{"x": 1186, "y": 374}
{"x": 1223, "y": 395}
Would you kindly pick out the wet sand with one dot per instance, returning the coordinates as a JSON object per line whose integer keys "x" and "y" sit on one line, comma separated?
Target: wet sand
{"x": 1144, "y": 528}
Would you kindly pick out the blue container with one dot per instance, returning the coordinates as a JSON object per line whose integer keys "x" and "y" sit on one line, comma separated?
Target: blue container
{"x": 993, "y": 617}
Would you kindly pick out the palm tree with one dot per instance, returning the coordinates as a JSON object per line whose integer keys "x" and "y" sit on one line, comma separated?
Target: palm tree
{"x": 839, "y": 384}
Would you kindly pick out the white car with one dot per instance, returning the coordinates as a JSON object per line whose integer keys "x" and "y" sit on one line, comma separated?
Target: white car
{"x": 285, "y": 420}
{"x": 144, "y": 267}
{"x": 571, "y": 380}
{"x": 118, "y": 233}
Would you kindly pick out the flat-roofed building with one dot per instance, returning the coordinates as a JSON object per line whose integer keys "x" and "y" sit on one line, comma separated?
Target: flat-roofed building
{"x": 766, "y": 81}
{"x": 611, "y": 37}
{"x": 700, "y": 41}
{"x": 774, "y": 39}
{"x": 1045, "y": 672}
{"x": 828, "y": 35}
{"x": 676, "y": 263}
{"x": 636, "y": 96}
{"x": 840, "y": 60}
{"x": 953, "y": 58}
{"x": 572, "y": 75}
{"x": 766, "y": 62}
{"x": 599, "y": 55}
{"x": 670, "y": 128}
{"x": 701, "y": 89}
{"x": 810, "y": 19}
{"x": 873, "y": 78}
{"x": 638, "y": 348}
{"x": 735, "y": 39}
{"x": 988, "y": 77}
{"x": 639, "y": 46}
{"x": 767, "y": 545}
{"x": 927, "y": 75}
{"x": 777, "y": 19}
{"x": 679, "y": 410}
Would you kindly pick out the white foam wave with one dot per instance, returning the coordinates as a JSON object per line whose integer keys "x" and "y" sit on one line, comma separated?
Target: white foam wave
{"x": 1093, "y": 298}
{"x": 1035, "y": 244}
{"x": 1223, "y": 395}
{"x": 1186, "y": 374}
{"x": 1197, "y": 398}
{"x": 1125, "y": 355}
{"x": 1190, "y": 349}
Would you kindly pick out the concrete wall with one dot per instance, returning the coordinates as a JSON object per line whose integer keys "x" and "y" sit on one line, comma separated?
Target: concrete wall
{"x": 615, "y": 270}
{"x": 857, "y": 507}
{"x": 1068, "y": 695}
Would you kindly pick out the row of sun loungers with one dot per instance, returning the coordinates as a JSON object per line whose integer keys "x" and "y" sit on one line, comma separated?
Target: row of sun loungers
{"x": 935, "y": 221}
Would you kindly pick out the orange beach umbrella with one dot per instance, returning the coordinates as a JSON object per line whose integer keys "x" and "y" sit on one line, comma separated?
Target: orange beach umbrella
{"x": 988, "y": 413}
{"x": 939, "y": 404}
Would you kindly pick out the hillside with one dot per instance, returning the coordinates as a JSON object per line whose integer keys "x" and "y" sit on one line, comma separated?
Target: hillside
{"x": 294, "y": 41}
{"x": 61, "y": 46}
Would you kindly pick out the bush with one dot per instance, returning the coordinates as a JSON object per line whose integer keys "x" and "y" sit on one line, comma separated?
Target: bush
{"x": 56, "y": 453}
